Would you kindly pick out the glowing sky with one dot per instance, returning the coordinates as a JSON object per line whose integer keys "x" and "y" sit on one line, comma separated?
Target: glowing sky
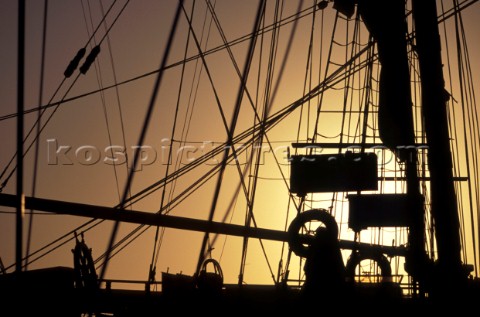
{"x": 91, "y": 125}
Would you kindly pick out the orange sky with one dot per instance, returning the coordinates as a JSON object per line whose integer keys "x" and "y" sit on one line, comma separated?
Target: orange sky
{"x": 134, "y": 47}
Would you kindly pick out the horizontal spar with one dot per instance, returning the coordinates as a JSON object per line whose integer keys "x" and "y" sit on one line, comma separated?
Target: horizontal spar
{"x": 155, "y": 219}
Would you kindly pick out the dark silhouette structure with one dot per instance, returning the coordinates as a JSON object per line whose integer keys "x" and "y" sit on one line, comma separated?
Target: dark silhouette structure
{"x": 325, "y": 275}
{"x": 313, "y": 234}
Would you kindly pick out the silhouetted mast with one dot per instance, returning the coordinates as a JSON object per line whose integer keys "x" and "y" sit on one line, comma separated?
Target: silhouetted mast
{"x": 20, "y": 125}
{"x": 434, "y": 105}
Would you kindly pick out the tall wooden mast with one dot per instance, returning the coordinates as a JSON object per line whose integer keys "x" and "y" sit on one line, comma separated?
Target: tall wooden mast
{"x": 434, "y": 105}
{"x": 20, "y": 126}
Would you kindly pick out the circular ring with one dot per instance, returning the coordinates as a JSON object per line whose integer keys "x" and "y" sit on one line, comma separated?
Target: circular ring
{"x": 294, "y": 237}
{"x": 358, "y": 256}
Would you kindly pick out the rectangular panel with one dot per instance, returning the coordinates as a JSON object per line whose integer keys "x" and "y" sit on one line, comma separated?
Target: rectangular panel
{"x": 382, "y": 210}
{"x": 333, "y": 173}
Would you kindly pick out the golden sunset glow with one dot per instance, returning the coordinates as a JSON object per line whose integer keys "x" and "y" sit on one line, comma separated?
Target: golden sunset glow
{"x": 86, "y": 149}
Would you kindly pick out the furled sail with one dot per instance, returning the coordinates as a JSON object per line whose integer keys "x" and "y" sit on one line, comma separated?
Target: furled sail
{"x": 385, "y": 20}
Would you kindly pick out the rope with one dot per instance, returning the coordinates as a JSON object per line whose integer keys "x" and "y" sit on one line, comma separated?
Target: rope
{"x": 144, "y": 131}
{"x": 260, "y": 12}
{"x": 37, "y": 144}
{"x": 232, "y": 43}
{"x": 119, "y": 106}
